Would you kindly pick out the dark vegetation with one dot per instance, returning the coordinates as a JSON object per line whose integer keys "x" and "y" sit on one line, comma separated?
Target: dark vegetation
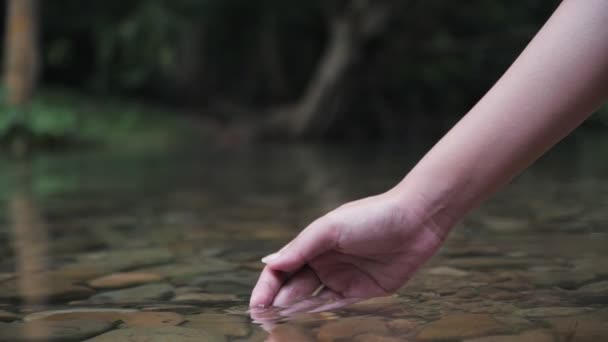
{"x": 268, "y": 69}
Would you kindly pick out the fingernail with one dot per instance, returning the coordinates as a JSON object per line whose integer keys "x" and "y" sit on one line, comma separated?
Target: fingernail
{"x": 270, "y": 257}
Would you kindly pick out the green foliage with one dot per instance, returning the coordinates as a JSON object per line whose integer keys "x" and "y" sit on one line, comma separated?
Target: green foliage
{"x": 60, "y": 116}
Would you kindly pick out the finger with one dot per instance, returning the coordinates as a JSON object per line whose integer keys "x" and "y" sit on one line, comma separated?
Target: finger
{"x": 268, "y": 285}
{"x": 301, "y": 285}
{"x": 312, "y": 304}
{"x": 316, "y": 239}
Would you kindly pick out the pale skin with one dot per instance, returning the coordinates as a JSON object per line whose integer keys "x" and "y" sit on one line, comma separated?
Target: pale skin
{"x": 371, "y": 247}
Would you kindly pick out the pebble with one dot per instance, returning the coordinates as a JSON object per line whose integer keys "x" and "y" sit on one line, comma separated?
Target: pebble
{"x": 52, "y": 331}
{"x": 221, "y": 324}
{"x": 528, "y": 336}
{"x": 53, "y": 290}
{"x": 158, "y": 334}
{"x": 461, "y": 326}
{"x": 185, "y": 272}
{"x": 591, "y": 327}
{"x": 120, "y": 260}
{"x": 131, "y": 318}
{"x": 564, "y": 278}
{"x": 598, "y": 287}
{"x": 6, "y": 276}
{"x": 448, "y": 271}
{"x": 7, "y": 316}
{"x": 290, "y": 332}
{"x": 401, "y": 325}
{"x": 346, "y": 328}
{"x": 550, "y": 311}
{"x": 127, "y": 279}
{"x": 206, "y": 297}
{"x": 136, "y": 294}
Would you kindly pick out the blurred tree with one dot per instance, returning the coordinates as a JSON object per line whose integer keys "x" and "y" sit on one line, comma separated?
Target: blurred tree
{"x": 21, "y": 65}
{"x": 351, "y": 24}
{"x": 21, "y": 51}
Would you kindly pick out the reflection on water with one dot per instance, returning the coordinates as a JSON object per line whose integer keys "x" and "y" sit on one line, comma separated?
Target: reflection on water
{"x": 113, "y": 246}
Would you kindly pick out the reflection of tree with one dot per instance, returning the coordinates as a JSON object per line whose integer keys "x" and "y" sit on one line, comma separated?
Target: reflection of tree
{"x": 30, "y": 239}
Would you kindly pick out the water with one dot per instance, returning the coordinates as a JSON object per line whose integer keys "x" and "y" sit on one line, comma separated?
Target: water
{"x": 189, "y": 228}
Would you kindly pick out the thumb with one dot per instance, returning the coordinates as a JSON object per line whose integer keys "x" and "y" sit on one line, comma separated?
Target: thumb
{"x": 316, "y": 239}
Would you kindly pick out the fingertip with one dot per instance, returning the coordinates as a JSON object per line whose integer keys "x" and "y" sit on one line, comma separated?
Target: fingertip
{"x": 265, "y": 290}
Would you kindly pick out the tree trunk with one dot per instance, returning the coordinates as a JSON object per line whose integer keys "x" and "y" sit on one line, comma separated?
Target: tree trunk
{"x": 21, "y": 51}
{"x": 349, "y": 30}
{"x": 189, "y": 70}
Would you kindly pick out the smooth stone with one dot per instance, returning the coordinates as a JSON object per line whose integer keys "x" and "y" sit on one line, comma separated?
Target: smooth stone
{"x": 126, "y": 279}
{"x": 7, "y": 316}
{"x": 567, "y": 279}
{"x": 448, "y": 271}
{"x": 52, "y": 331}
{"x": 189, "y": 271}
{"x": 179, "y": 308}
{"x": 48, "y": 315}
{"x": 591, "y": 327}
{"x": 221, "y": 324}
{"x": 206, "y": 297}
{"x": 462, "y": 326}
{"x": 528, "y": 336}
{"x": 290, "y": 332}
{"x": 402, "y": 325}
{"x": 131, "y": 318}
{"x": 486, "y": 263}
{"x": 598, "y": 287}
{"x": 376, "y": 338}
{"x": 374, "y": 305}
{"x": 136, "y": 294}
{"x": 505, "y": 224}
{"x": 550, "y": 312}
{"x": 120, "y": 260}
{"x": 158, "y": 334}
{"x": 346, "y": 328}
{"x": 53, "y": 290}
{"x": 6, "y": 276}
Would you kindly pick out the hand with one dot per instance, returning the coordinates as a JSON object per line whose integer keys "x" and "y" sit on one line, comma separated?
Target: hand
{"x": 363, "y": 249}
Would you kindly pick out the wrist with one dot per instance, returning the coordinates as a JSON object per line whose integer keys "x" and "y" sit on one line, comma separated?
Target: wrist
{"x": 435, "y": 204}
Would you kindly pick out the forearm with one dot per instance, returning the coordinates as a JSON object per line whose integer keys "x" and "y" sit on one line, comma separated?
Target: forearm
{"x": 557, "y": 82}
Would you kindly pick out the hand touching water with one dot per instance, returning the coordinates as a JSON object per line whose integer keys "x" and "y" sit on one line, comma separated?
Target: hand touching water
{"x": 371, "y": 247}
{"x": 363, "y": 249}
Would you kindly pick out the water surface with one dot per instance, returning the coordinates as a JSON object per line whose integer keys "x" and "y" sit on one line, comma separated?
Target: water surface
{"x": 165, "y": 246}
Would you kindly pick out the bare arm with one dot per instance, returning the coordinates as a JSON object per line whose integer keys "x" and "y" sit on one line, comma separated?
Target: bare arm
{"x": 373, "y": 246}
{"x": 557, "y": 82}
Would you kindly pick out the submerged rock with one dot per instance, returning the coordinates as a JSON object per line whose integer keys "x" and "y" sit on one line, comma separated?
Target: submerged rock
{"x": 600, "y": 287}
{"x": 53, "y": 290}
{"x": 221, "y": 324}
{"x": 120, "y": 260}
{"x": 127, "y": 279}
{"x": 528, "y": 336}
{"x": 136, "y": 294}
{"x": 67, "y": 331}
{"x": 590, "y": 327}
{"x": 164, "y": 334}
{"x": 550, "y": 311}
{"x": 461, "y": 326}
{"x": 7, "y": 316}
{"x": 206, "y": 297}
{"x": 346, "y": 328}
{"x": 131, "y": 318}
{"x": 448, "y": 271}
